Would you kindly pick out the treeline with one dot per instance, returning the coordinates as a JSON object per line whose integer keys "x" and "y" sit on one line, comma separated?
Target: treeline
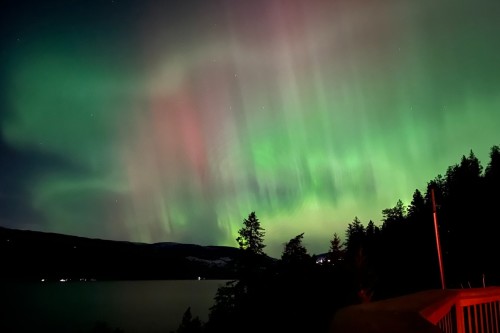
{"x": 297, "y": 294}
{"x": 400, "y": 256}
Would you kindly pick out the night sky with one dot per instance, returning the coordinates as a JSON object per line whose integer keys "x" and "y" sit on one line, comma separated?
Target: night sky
{"x": 173, "y": 120}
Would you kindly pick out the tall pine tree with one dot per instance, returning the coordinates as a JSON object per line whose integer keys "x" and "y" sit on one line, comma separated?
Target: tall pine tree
{"x": 295, "y": 252}
{"x": 336, "y": 251}
{"x": 251, "y": 236}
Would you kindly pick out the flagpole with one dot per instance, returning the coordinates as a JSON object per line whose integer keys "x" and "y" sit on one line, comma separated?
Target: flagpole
{"x": 438, "y": 243}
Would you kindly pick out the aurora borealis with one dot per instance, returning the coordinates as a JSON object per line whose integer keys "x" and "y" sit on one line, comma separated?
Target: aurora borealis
{"x": 171, "y": 121}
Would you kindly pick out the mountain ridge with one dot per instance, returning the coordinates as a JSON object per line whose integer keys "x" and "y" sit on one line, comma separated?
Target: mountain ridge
{"x": 36, "y": 255}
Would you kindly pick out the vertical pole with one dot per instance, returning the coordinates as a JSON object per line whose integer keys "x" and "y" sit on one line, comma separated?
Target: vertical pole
{"x": 438, "y": 243}
{"x": 460, "y": 318}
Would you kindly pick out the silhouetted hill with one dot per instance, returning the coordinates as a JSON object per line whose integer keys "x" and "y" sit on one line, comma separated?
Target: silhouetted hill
{"x": 33, "y": 255}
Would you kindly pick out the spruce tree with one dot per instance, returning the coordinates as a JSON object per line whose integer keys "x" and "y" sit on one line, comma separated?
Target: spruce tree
{"x": 336, "y": 251}
{"x": 295, "y": 252}
{"x": 251, "y": 237}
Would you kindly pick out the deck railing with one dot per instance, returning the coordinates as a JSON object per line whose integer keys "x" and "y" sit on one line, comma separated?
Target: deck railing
{"x": 471, "y": 311}
{"x": 450, "y": 311}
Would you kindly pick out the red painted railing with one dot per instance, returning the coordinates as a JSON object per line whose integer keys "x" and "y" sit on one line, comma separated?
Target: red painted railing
{"x": 449, "y": 311}
{"x": 470, "y": 310}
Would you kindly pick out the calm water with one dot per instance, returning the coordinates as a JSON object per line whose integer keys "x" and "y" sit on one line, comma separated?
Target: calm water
{"x": 133, "y": 306}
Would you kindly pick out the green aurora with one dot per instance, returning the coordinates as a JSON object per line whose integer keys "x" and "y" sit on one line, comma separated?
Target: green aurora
{"x": 173, "y": 122}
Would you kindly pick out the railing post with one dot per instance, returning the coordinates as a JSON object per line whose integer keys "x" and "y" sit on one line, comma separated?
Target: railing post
{"x": 459, "y": 315}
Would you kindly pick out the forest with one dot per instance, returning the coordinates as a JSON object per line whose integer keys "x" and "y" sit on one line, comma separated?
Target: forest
{"x": 299, "y": 293}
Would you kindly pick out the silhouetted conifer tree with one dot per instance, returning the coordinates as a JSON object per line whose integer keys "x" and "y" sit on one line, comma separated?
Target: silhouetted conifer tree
{"x": 336, "y": 252}
{"x": 422, "y": 264}
{"x": 492, "y": 172}
{"x": 417, "y": 206}
{"x": 251, "y": 236}
{"x": 490, "y": 213}
{"x": 461, "y": 222}
{"x": 294, "y": 252}
{"x": 227, "y": 311}
{"x": 372, "y": 235}
{"x": 190, "y": 324}
{"x": 237, "y": 301}
{"x": 355, "y": 236}
{"x": 393, "y": 262}
{"x": 356, "y": 259}
{"x": 394, "y": 216}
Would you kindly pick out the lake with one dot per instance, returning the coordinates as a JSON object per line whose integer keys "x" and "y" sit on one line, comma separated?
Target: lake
{"x": 133, "y": 306}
